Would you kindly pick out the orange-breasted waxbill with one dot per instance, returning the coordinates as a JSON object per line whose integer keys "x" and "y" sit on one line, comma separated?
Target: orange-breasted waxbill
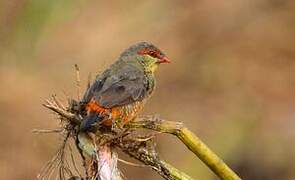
{"x": 119, "y": 93}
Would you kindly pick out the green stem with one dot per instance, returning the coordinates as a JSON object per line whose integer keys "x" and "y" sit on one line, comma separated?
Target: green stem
{"x": 192, "y": 142}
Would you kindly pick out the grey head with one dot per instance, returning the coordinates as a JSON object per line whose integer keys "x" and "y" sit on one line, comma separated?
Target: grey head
{"x": 144, "y": 49}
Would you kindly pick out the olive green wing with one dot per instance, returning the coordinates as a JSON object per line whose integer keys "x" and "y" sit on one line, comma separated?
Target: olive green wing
{"x": 123, "y": 85}
{"x": 124, "y": 92}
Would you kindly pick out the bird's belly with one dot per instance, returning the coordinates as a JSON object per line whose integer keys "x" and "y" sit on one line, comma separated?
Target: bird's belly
{"x": 126, "y": 113}
{"x": 121, "y": 114}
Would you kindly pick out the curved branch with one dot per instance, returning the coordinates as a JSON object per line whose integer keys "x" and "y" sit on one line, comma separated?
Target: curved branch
{"x": 192, "y": 142}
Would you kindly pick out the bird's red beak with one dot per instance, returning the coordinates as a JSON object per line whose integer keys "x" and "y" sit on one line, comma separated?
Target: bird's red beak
{"x": 164, "y": 59}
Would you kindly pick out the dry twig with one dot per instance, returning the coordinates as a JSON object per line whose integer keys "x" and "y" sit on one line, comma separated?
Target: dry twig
{"x": 78, "y": 81}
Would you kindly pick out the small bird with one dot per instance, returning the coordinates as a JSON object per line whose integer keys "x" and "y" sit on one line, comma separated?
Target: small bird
{"x": 120, "y": 92}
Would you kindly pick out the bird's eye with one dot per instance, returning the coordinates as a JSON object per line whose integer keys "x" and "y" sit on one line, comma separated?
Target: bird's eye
{"x": 154, "y": 54}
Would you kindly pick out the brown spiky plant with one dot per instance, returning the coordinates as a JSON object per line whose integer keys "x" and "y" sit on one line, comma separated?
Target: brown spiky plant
{"x": 97, "y": 152}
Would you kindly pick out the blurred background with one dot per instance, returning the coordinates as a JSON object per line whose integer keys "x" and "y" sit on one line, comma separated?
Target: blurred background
{"x": 232, "y": 80}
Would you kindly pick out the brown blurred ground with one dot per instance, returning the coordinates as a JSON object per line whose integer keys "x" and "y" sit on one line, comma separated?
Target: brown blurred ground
{"x": 232, "y": 80}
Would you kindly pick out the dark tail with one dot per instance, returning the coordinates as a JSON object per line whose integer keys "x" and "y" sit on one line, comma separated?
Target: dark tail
{"x": 89, "y": 121}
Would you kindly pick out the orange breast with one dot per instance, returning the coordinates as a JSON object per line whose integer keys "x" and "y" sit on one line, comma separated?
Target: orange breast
{"x": 93, "y": 106}
{"x": 131, "y": 111}
{"x": 121, "y": 114}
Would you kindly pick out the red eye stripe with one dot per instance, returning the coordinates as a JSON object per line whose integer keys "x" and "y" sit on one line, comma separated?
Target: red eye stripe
{"x": 150, "y": 52}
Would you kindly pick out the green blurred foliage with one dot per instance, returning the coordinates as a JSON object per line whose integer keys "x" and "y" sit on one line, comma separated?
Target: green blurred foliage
{"x": 232, "y": 76}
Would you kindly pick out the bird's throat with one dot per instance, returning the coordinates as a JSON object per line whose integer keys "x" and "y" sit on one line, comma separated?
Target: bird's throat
{"x": 151, "y": 68}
